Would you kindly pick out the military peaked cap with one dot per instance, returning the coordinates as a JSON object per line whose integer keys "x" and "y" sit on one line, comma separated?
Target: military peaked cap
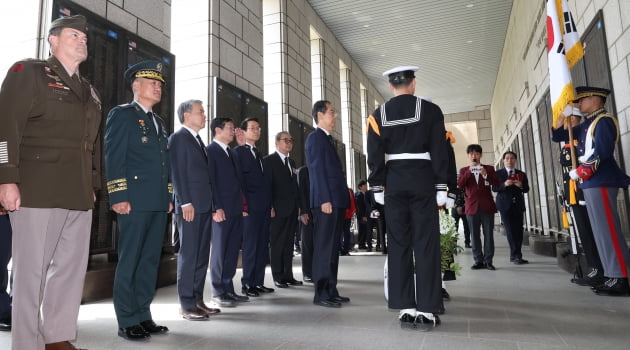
{"x": 77, "y": 22}
{"x": 145, "y": 69}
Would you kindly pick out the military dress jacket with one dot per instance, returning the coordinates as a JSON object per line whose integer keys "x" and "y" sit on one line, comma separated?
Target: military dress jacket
{"x": 604, "y": 136}
{"x": 407, "y": 124}
{"x": 48, "y": 125}
{"x": 136, "y": 159}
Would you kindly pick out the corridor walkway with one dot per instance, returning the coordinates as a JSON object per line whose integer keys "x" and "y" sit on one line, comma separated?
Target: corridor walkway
{"x": 515, "y": 307}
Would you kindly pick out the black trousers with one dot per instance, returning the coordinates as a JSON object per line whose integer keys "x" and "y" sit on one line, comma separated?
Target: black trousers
{"x": 326, "y": 235}
{"x": 414, "y": 237}
{"x": 513, "y": 222}
{"x": 281, "y": 234}
{"x": 306, "y": 231}
{"x": 193, "y": 257}
{"x": 5, "y": 256}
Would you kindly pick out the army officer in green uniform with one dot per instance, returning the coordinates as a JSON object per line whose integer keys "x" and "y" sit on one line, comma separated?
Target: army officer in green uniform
{"x": 139, "y": 187}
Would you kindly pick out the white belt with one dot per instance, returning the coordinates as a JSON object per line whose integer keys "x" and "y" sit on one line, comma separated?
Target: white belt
{"x": 399, "y": 156}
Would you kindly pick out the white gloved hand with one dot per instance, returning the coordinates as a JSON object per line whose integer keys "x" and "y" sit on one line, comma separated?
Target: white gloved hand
{"x": 379, "y": 197}
{"x": 567, "y": 111}
{"x": 574, "y": 175}
{"x": 375, "y": 214}
{"x": 441, "y": 198}
{"x": 450, "y": 202}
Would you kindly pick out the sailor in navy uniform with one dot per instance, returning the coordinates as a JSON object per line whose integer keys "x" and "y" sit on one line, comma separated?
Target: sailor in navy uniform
{"x": 601, "y": 178}
{"x": 408, "y": 159}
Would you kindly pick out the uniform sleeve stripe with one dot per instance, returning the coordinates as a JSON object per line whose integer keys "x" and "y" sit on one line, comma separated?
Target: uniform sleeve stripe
{"x": 4, "y": 152}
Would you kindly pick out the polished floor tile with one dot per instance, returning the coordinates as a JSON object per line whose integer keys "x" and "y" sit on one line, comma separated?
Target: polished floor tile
{"x": 522, "y": 307}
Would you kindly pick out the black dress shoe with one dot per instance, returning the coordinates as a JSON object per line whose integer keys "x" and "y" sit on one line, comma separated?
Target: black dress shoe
{"x": 5, "y": 324}
{"x": 194, "y": 314}
{"x": 250, "y": 291}
{"x": 615, "y": 287}
{"x": 237, "y": 298}
{"x": 327, "y": 303}
{"x": 208, "y": 310}
{"x": 293, "y": 282}
{"x": 593, "y": 278}
{"x": 478, "y": 266}
{"x": 135, "y": 332}
{"x": 153, "y": 328}
{"x": 308, "y": 279}
{"x": 520, "y": 261}
{"x": 263, "y": 289}
{"x": 425, "y": 324}
{"x": 445, "y": 295}
{"x": 223, "y": 301}
{"x": 491, "y": 267}
{"x": 339, "y": 299}
{"x": 467, "y": 245}
{"x": 281, "y": 284}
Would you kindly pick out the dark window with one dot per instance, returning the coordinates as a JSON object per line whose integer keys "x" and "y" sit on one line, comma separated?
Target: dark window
{"x": 529, "y": 157}
{"x": 109, "y": 55}
{"x": 550, "y": 157}
{"x": 594, "y": 70}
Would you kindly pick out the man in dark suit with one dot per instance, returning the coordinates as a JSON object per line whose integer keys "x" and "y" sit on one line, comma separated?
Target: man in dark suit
{"x": 306, "y": 224}
{"x": 511, "y": 204}
{"x": 193, "y": 199}
{"x": 362, "y": 214}
{"x": 476, "y": 180}
{"x": 280, "y": 174}
{"x": 140, "y": 192}
{"x": 228, "y": 209}
{"x": 256, "y": 223}
{"x": 329, "y": 200}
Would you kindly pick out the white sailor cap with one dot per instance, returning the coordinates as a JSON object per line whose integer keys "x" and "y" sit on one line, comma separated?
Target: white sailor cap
{"x": 400, "y": 73}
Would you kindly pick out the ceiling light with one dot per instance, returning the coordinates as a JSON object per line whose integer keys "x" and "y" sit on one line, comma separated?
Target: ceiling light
{"x": 470, "y": 5}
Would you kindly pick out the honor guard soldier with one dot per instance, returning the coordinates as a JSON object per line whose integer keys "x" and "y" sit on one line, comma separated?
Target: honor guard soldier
{"x": 407, "y": 157}
{"x": 140, "y": 191}
{"x": 50, "y": 117}
{"x": 600, "y": 179}
{"x": 579, "y": 215}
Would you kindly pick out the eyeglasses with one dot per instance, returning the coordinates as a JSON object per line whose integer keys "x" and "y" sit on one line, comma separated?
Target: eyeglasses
{"x": 287, "y": 140}
{"x": 256, "y": 128}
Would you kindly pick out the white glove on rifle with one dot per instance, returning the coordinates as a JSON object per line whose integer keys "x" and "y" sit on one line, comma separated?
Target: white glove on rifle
{"x": 574, "y": 175}
{"x": 379, "y": 197}
{"x": 441, "y": 198}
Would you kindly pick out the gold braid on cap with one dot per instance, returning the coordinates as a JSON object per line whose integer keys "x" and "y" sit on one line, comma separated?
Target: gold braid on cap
{"x": 149, "y": 74}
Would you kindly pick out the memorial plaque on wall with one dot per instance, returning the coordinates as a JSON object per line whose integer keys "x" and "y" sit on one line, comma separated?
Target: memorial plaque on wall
{"x": 236, "y": 104}
{"x": 108, "y": 57}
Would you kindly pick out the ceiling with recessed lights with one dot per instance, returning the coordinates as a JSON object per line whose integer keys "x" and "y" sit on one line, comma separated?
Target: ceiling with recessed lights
{"x": 456, "y": 43}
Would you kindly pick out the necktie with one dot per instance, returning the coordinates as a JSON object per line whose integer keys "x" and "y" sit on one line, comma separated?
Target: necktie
{"x": 203, "y": 147}
{"x": 154, "y": 122}
{"x": 287, "y": 165}
{"x": 227, "y": 150}
{"x": 257, "y": 156}
{"x": 75, "y": 78}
